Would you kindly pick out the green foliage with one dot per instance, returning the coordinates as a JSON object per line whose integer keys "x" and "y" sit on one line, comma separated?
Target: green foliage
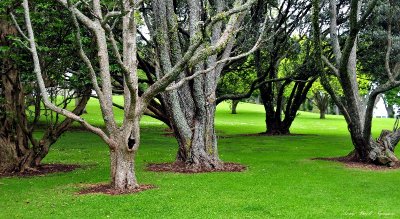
{"x": 238, "y": 79}
{"x": 373, "y": 46}
{"x": 393, "y": 96}
{"x": 55, "y": 42}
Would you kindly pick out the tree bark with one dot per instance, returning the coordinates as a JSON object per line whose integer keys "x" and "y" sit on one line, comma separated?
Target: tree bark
{"x": 200, "y": 152}
{"x": 123, "y": 167}
{"x": 379, "y": 151}
{"x": 234, "y": 106}
{"x": 13, "y": 141}
{"x": 358, "y": 117}
{"x": 191, "y": 107}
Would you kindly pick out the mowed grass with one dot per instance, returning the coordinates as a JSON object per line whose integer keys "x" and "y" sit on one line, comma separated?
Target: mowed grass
{"x": 281, "y": 181}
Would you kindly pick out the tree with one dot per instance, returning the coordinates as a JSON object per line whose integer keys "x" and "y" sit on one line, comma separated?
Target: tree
{"x": 20, "y": 103}
{"x": 274, "y": 81}
{"x": 293, "y": 81}
{"x": 321, "y": 100}
{"x": 371, "y": 52}
{"x": 358, "y": 117}
{"x": 190, "y": 105}
{"x": 123, "y": 140}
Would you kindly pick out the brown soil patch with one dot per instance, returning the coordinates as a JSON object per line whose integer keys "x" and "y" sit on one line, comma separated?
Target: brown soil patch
{"x": 108, "y": 190}
{"x": 177, "y": 167}
{"x": 43, "y": 170}
{"x": 359, "y": 165}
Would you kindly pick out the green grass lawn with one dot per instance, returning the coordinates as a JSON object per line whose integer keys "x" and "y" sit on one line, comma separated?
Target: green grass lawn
{"x": 281, "y": 181}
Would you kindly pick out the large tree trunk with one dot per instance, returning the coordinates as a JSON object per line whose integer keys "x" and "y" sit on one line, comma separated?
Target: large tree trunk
{"x": 122, "y": 158}
{"x": 200, "y": 152}
{"x": 193, "y": 125}
{"x": 191, "y": 107}
{"x": 19, "y": 150}
{"x": 322, "y": 114}
{"x": 13, "y": 141}
{"x": 123, "y": 168}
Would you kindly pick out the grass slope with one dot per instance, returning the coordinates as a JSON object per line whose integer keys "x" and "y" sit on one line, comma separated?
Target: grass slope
{"x": 281, "y": 180}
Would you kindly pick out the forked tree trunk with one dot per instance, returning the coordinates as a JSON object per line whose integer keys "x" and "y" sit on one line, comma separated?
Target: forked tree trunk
{"x": 193, "y": 126}
{"x": 191, "y": 107}
{"x": 19, "y": 150}
{"x": 200, "y": 151}
{"x": 276, "y": 124}
{"x": 321, "y": 100}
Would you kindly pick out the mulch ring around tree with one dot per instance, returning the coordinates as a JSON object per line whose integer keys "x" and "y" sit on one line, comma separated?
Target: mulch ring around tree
{"x": 108, "y": 190}
{"x": 359, "y": 165}
{"x": 178, "y": 167}
{"x": 43, "y": 170}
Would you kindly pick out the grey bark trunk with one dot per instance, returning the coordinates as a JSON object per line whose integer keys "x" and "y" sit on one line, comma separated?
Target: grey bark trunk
{"x": 200, "y": 152}
{"x": 122, "y": 169}
{"x": 122, "y": 160}
{"x": 322, "y": 102}
{"x": 195, "y": 133}
{"x": 191, "y": 107}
